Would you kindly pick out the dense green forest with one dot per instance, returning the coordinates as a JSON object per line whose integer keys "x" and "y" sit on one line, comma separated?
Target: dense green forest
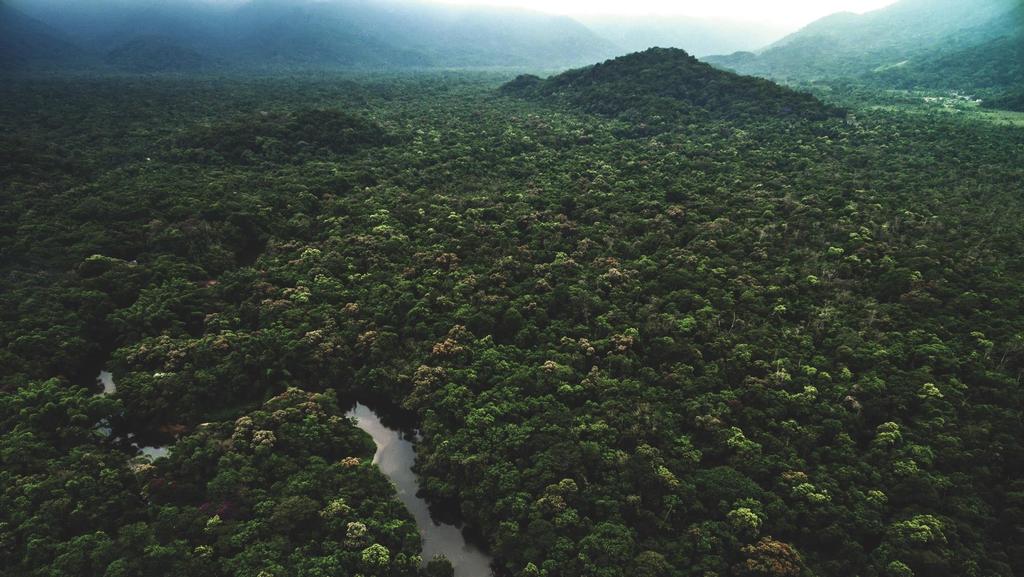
{"x": 677, "y": 332}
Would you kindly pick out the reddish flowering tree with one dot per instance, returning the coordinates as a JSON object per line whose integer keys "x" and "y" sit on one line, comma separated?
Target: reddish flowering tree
{"x": 770, "y": 558}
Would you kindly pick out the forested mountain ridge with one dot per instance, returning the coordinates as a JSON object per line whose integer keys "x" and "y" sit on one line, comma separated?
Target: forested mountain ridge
{"x": 665, "y": 86}
{"x": 28, "y": 43}
{"x": 994, "y": 68}
{"x": 907, "y": 39}
{"x": 279, "y": 34}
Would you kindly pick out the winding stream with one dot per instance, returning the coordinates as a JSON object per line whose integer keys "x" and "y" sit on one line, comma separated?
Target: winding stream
{"x": 395, "y": 457}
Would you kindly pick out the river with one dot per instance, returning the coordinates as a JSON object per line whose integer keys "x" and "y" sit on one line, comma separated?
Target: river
{"x": 395, "y": 456}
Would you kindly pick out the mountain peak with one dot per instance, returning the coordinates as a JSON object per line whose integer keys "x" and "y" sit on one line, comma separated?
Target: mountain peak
{"x": 668, "y": 83}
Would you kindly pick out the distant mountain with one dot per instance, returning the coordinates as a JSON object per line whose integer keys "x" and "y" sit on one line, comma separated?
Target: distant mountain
{"x": 262, "y": 34}
{"x": 998, "y": 63}
{"x": 850, "y": 45}
{"x": 665, "y": 84}
{"x": 272, "y": 33}
{"x": 283, "y": 136}
{"x": 476, "y": 36}
{"x": 154, "y": 54}
{"x": 381, "y": 33}
{"x": 28, "y": 43}
{"x": 102, "y": 25}
{"x": 993, "y": 65}
{"x": 698, "y": 36}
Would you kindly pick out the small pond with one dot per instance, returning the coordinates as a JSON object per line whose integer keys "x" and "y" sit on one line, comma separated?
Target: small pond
{"x": 106, "y": 379}
{"x": 395, "y": 456}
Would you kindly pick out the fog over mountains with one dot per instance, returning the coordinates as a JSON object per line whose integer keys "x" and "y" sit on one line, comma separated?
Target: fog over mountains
{"x": 268, "y": 34}
{"x": 698, "y": 36}
{"x": 903, "y": 43}
{"x": 154, "y": 35}
{"x": 948, "y": 44}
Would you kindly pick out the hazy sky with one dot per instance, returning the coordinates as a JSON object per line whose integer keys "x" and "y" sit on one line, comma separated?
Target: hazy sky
{"x": 788, "y": 12}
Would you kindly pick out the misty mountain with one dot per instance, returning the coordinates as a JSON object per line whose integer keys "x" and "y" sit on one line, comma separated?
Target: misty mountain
{"x": 27, "y": 42}
{"x": 488, "y": 37}
{"x": 996, "y": 64}
{"x": 850, "y": 45}
{"x": 668, "y": 85}
{"x": 698, "y": 36}
{"x": 154, "y": 54}
{"x": 430, "y": 34}
{"x": 267, "y": 34}
{"x": 103, "y": 25}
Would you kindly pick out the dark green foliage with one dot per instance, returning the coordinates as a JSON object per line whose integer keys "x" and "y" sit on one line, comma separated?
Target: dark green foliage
{"x": 1010, "y": 101}
{"x": 663, "y": 85}
{"x": 284, "y": 136}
